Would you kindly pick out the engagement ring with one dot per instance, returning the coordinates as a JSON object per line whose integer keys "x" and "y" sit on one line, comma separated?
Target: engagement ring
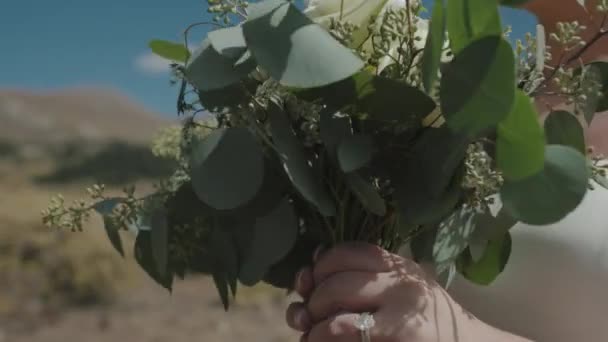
{"x": 364, "y": 323}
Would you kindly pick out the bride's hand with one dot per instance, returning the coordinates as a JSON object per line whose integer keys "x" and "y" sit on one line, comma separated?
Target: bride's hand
{"x": 406, "y": 303}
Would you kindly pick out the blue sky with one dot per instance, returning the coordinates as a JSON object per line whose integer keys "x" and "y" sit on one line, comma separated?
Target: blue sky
{"x": 54, "y": 44}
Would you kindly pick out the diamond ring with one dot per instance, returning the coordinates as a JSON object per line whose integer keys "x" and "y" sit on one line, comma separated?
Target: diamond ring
{"x": 364, "y": 323}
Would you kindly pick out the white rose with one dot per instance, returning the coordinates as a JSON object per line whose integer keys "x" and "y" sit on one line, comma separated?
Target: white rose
{"x": 357, "y": 12}
{"x": 360, "y": 12}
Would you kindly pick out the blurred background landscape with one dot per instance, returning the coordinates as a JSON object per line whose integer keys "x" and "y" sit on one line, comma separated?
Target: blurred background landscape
{"x": 81, "y": 98}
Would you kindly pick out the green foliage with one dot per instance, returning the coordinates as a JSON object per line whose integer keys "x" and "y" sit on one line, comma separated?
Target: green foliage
{"x": 478, "y": 86}
{"x": 520, "y": 145}
{"x": 292, "y": 49}
{"x": 315, "y": 139}
{"x": 552, "y": 193}
{"x": 433, "y": 49}
{"x": 230, "y": 154}
{"x": 563, "y": 128}
{"x": 169, "y": 50}
{"x": 470, "y": 20}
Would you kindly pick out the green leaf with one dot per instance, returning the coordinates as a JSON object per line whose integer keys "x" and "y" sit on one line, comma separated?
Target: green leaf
{"x": 221, "y": 284}
{"x": 295, "y": 161}
{"x": 478, "y": 86}
{"x": 379, "y": 98}
{"x": 283, "y": 273}
{"x": 429, "y": 186}
{"x": 433, "y": 48}
{"x": 228, "y": 42}
{"x": 354, "y": 152}
{"x": 553, "y": 193}
{"x": 169, "y": 50}
{"x": 333, "y": 129}
{"x": 274, "y": 236}
{"x": 113, "y": 233}
{"x": 469, "y": 20}
{"x": 105, "y": 208}
{"x": 225, "y": 253}
{"x": 520, "y": 145}
{"x": 491, "y": 264}
{"x": 227, "y": 167}
{"x": 563, "y": 128}
{"x": 490, "y": 227}
{"x": 145, "y": 258}
{"x": 293, "y": 49}
{"x": 453, "y": 237}
{"x": 208, "y": 70}
{"x": 366, "y": 193}
{"x": 159, "y": 238}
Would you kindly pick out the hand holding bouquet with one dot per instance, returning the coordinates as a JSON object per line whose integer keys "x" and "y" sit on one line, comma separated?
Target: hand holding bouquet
{"x": 351, "y": 121}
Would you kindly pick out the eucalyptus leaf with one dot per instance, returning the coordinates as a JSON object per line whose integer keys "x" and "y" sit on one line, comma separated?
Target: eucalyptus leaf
{"x": 227, "y": 167}
{"x": 293, "y": 49}
{"x": 469, "y": 20}
{"x": 366, "y": 194}
{"x": 159, "y": 238}
{"x": 105, "y": 208}
{"x": 144, "y": 256}
{"x": 225, "y": 254}
{"x": 563, "y": 128}
{"x": 478, "y": 86}
{"x": 113, "y": 233}
{"x": 428, "y": 188}
{"x": 553, "y": 193}
{"x": 433, "y": 48}
{"x": 208, "y": 70}
{"x": 221, "y": 284}
{"x": 295, "y": 161}
{"x": 228, "y": 42}
{"x": 333, "y": 129}
{"x": 520, "y": 145}
{"x": 354, "y": 152}
{"x": 491, "y": 263}
{"x": 378, "y": 98}
{"x": 453, "y": 237}
{"x": 274, "y": 236}
{"x": 283, "y": 273}
{"x": 491, "y": 227}
{"x": 170, "y": 50}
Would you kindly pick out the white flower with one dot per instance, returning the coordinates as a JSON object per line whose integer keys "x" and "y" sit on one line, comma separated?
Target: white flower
{"x": 360, "y": 12}
{"x": 357, "y": 12}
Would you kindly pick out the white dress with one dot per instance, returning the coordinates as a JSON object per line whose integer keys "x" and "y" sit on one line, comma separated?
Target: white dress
{"x": 555, "y": 286}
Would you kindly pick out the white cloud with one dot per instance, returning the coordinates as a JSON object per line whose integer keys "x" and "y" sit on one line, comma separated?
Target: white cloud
{"x": 151, "y": 64}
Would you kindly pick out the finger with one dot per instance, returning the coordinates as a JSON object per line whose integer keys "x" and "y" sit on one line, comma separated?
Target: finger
{"x": 339, "y": 328}
{"x": 297, "y": 317}
{"x": 353, "y": 256}
{"x": 348, "y": 291}
{"x": 343, "y": 327}
{"x": 304, "y": 282}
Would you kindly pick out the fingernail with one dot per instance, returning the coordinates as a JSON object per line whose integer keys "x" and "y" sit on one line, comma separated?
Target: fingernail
{"x": 302, "y": 320}
{"x": 318, "y": 252}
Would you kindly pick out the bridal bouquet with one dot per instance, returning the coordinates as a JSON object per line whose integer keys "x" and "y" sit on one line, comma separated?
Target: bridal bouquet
{"x": 350, "y": 120}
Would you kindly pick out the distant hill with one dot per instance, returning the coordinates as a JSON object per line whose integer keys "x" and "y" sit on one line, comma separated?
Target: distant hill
{"x": 86, "y": 134}
{"x": 91, "y": 114}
